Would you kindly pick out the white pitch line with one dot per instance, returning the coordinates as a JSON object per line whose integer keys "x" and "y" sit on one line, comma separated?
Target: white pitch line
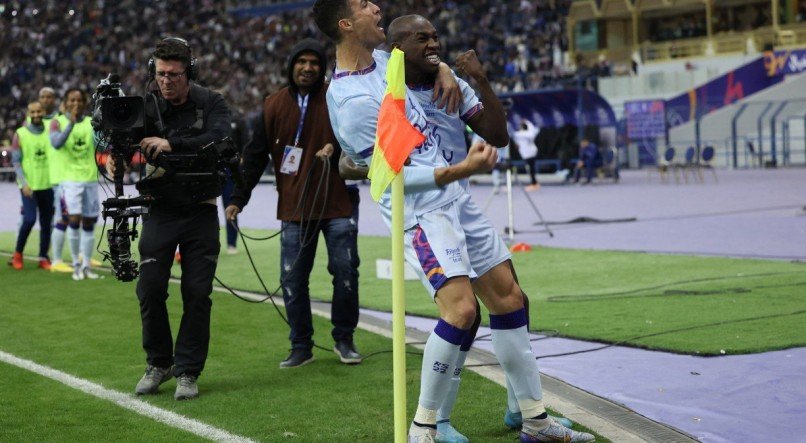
{"x": 126, "y": 401}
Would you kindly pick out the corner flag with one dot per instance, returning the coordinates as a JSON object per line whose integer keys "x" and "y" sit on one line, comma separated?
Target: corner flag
{"x": 395, "y": 137}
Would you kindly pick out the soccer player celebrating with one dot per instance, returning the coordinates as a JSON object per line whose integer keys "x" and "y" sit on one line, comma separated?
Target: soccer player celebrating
{"x": 438, "y": 213}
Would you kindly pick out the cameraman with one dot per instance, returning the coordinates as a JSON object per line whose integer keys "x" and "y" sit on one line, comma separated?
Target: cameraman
{"x": 182, "y": 214}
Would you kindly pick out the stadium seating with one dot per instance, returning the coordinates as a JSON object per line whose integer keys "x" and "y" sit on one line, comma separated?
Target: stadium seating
{"x": 243, "y": 55}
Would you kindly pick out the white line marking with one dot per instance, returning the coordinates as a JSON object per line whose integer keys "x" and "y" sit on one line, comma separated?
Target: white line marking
{"x": 127, "y": 401}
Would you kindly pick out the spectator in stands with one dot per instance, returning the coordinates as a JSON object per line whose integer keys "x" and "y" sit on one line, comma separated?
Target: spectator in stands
{"x": 524, "y": 137}
{"x": 762, "y": 17}
{"x": 79, "y": 46}
{"x": 296, "y": 126}
{"x": 602, "y": 67}
{"x": 590, "y": 159}
{"x": 30, "y": 151}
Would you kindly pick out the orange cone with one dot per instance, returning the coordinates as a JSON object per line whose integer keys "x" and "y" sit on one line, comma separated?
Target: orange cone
{"x": 520, "y": 247}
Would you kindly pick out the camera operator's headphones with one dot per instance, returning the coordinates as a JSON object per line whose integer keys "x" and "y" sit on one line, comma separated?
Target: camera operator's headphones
{"x": 191, "y": 70}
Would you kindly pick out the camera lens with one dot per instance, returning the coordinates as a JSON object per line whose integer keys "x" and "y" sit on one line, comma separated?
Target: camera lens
{"x": 122, "y": 114}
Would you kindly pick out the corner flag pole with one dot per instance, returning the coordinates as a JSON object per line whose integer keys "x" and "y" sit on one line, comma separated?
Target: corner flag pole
{"x": 398, "y": 311}
{"x": 395, "y": 138}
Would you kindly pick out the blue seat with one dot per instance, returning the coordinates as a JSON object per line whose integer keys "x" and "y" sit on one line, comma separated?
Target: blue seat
{"x": 706, "y": 162}
{"x": 667, "y": 163}
{"x": 689, "y": 164}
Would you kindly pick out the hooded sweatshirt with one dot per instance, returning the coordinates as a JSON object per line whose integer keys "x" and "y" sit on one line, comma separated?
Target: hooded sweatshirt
{"x": 281, "y": 118}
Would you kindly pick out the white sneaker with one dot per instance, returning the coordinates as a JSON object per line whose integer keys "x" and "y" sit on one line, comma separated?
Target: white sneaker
{"x": 548, "y": 430}
{"x": 77, "y": 274}
{"x": 88, "y": 274}
{"x": 421, "y": 434}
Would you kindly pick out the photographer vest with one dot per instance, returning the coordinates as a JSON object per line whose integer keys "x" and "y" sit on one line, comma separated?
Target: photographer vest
{"x": 34, "y": 148}
{"x": 181, "y": 122}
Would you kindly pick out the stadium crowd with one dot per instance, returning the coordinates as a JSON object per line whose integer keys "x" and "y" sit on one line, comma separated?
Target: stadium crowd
{"x": 75, "y": 44}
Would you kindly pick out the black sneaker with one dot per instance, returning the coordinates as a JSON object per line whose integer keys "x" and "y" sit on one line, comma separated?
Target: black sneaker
{"x": 298, "y": 357}
{"x": 347, "y": 352}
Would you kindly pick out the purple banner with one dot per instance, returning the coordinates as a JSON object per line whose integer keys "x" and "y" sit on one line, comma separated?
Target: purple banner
{"x": 721, "y": 91}
{"x": 645, "y": 119}
{"x": 558, "y": 108}
{"x": 779, "y": 63}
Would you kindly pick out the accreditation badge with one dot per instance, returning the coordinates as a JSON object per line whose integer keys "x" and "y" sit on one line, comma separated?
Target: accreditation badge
{"x": 291, "y": 160}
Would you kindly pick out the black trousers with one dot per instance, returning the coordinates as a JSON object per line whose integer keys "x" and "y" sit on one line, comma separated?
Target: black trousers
{"x": 195, "y": 231}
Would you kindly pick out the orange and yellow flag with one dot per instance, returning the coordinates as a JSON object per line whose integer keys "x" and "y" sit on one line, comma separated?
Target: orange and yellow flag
{"x": 395, "y": 137}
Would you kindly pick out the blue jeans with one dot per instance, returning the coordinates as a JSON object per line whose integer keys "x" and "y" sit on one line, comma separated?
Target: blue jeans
{"x": 298, "y": 249}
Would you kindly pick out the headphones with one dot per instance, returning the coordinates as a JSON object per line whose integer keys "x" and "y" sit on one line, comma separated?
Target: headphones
{"x": 192, "y": 69}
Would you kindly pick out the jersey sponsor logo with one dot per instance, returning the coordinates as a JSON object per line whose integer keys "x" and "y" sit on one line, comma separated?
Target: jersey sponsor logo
{"x": 455, "y": 254}
{"x": 78, "y": 147}
{"x": 40, "y": 155}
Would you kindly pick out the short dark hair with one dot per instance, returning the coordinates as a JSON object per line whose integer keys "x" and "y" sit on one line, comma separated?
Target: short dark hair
{"x": 400, "y": 28}
{"x": 327, "y": 13}
{"x": 173, "y": 49}
{"x": 84, "y": 95}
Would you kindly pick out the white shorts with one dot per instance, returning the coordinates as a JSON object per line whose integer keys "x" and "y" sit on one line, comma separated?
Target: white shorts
{"x": 485, "y": 247}
{"x": 81, "y": 198}
{"x": 59, "y": 207}
{"x": 453, "y": 241}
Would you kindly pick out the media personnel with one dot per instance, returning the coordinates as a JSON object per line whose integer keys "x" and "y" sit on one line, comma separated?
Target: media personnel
{"x": 295, "y": 132}
{"x": 180, "y": 119}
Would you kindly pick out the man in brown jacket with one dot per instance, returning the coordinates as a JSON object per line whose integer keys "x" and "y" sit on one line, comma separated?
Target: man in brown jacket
{"x": 296, "y": 134}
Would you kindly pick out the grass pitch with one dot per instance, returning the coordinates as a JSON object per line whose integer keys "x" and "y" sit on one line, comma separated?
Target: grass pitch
{"x": 91, "y": 329}
{"x": 675, "y": 303}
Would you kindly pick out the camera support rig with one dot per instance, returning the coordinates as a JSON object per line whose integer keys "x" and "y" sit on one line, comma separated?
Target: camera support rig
{"x": 120, "y": 121}
{"x": 123, "y": 211}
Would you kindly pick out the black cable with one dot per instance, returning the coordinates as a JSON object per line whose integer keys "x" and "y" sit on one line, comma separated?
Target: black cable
{"x": 640, "y": 337}
{"x": 324, "y": 178}
{"x": 625, "y": 294}
{"x": 293, "y": 214}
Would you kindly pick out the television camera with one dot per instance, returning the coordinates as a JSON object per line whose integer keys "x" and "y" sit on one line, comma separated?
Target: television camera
{"x": 119, "y": 121}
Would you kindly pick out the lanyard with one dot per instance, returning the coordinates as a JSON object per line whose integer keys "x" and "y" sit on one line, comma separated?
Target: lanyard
{"x": 303, "y": 109}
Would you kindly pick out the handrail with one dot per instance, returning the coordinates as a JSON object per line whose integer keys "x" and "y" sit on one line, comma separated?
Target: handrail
{"x": 761, "y": 133}
{"x": 773, "y": 158}
{"x": 735, "y": 134}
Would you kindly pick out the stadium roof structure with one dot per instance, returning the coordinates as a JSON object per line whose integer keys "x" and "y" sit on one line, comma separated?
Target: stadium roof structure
{"x": 628, "y": 23}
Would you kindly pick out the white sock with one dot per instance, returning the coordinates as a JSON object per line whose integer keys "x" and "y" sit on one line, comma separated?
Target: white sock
{"x": 87, "y": 242}
{"x": 57, "y": 239}
{"x": 425, "y": 416}
{"x": 511, "y": 345}
{"x": 445, "y": 410}
{"x": 512, "y": 402}
{"x": 73, "y": 239}
{"x": 439, "y": 359}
